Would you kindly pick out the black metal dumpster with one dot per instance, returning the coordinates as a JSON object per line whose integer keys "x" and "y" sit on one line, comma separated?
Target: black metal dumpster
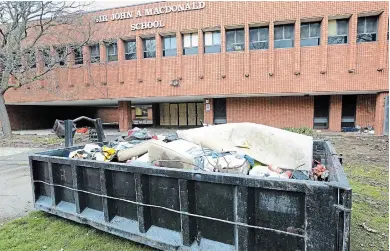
{"x": 172, "y": 209}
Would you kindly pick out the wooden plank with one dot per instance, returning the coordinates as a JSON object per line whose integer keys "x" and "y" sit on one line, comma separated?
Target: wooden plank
{"x": 173, "y": 112}
{"x": 200, "y": 113}
{"x": 191, "y": 114}
{"x": 183, "y": 114}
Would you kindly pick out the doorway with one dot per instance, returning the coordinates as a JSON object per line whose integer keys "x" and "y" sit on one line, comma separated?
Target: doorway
{"x": 321, "y": 112}
{"x": 348, "y": 111}
{"x": 219, "y": 105}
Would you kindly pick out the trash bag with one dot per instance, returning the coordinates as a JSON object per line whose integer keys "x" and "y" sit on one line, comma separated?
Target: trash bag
{"x": 59, "y": 128}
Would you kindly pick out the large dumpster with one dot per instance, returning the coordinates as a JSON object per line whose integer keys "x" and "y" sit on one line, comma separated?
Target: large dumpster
{"x": 175, "y": 209}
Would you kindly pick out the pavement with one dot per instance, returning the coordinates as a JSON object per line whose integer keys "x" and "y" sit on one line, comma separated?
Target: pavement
{"x": 15, "y": 183}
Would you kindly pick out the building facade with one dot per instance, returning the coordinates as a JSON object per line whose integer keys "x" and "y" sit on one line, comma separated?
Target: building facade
{"x": 284, "y": 64}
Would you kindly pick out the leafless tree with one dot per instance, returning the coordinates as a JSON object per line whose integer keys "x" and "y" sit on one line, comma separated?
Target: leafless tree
{"x": 35, "y": 39}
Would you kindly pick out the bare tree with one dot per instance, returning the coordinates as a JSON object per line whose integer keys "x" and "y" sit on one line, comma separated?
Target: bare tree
{"x": 35, "y": 39}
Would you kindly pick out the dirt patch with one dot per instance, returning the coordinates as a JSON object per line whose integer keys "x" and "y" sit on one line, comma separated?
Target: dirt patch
{"x": 37, "y": 141}
{"x": 362, "y": 150}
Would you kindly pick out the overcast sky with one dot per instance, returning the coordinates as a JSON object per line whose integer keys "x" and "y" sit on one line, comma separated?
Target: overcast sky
{"x": 99, "y": 5}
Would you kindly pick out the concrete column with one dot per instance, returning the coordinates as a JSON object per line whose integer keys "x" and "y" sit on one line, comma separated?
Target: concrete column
{"x": 223, "y": 52}
{"x": 297, "y": 47}
{"x": 335, "y": 113}
{"x": 383, "y": 23}
{"x": 208, "y": 115}
{"x": 121, "y": 58}
{"x": 124, "y": 115}
{"x": 352, "y": 42}
{"x": 380, "y": 112}
{"x": 140, "y": 56}
{"x": 246, "y": 52}
{"x": 271, "y": 49}
{"x": 103, "y": 63}
{"x": 86, "y": 62}
{"x": 179, "y": 58}
{"x": 159, "y": 48}
{"x": 200, "y": 53}
{"x": 324, "y": 44}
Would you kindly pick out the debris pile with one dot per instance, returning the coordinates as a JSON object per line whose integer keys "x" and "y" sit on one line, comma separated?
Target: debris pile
{"x": 241, "y": 148}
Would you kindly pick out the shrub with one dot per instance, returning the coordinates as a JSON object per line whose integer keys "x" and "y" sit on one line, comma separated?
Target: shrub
{"x": 301, "y": 130}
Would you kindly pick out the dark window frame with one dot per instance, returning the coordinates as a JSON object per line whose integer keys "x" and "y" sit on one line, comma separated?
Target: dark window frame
{"x": 46, "y": 54}
{"x": 61, "y": 55}
{"x": 31, "y": 59}
{"x": 214, "y": 47}
{"x": 171, "y": 51}
{"x": 339, "y": 38}
{"x": 236, "y": 46}
{"x": 130, "y": 55}
{"x": 94, "y": 58}
{"x": 148, "y": 53}
{"x": 310, "y": 40}
{"x": 258, "y": 41}
{"x": 78, "y": 55}
{"x": 284, "y": 39}
{"x": 192, "y": 50}
{"x": 373, "y": 35}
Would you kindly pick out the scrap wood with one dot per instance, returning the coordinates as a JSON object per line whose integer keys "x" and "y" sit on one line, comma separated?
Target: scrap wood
{"x": 368, "y": 229}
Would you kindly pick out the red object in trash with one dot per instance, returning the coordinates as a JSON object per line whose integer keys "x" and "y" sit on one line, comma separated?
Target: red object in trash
{"x": 154, "y": 137}
{"x": 82, "y": 130}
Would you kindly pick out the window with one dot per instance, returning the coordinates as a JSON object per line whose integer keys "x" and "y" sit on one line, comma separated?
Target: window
{"x": 367, "y": 29}
{"x": 258, "y": 38}
{"x": 95, "y": 53}
{"x": 338, "y": 31}
{"x": 284, "y": 36}
{"x": 130, "y": 50}
{"x": 46, "y": 58}
{"x": 190, "y": 44}
{"x": 321, "y": 112}
{"x": 78, "y": 55}
{"x": 235, "y": 40}
{"x": 61, "y": 54}
{"x": 141, "y": 112}
{"x": 149, "y": 45}
{"x": 169, "y": 46}
{"x": 310, "y": 34}
{"x": 17, "y": 62}
{"x": 212, "y": 42}
{"x": 112, "y": 52}
{"x": 31, "y": 60}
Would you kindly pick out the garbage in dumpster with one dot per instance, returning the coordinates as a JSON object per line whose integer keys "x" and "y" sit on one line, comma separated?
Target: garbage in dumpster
{"x": 320, "y": 172}
{"x": 268, "y": 145}
{"x": 241, "y": 148}
{"x": 94, "y": 152}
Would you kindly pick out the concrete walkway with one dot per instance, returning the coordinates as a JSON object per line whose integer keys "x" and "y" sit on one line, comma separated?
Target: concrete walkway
{"x": 15, "y": 183}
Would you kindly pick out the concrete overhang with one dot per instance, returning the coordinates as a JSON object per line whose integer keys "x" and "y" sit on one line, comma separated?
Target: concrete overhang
{"x": 179, "y": 99}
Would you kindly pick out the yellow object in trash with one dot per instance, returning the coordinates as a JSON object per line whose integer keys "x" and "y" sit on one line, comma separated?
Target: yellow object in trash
{"x": 108, "y": 153}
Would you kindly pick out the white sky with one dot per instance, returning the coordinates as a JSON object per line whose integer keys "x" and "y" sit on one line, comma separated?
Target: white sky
{"x": 99, "y": 5}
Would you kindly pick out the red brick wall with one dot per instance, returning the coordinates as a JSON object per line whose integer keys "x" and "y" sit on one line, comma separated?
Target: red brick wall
{"x": 107, "y": 114}
{"x": 380, "y": 112}
{"x": 323, "y": 68}
{"x": 273, "y": 111}
{"x": 365, "y": 110}
{"x": 335, "y": 113}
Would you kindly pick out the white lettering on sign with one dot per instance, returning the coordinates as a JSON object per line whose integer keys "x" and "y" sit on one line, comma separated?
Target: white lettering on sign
{"x": 147, "y": 25}
{"x": 150, "y": 12}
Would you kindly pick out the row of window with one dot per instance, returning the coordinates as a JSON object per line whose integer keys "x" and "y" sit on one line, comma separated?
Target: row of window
{"x": 258, "y": 38}
{"x": 235, "y": 40}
